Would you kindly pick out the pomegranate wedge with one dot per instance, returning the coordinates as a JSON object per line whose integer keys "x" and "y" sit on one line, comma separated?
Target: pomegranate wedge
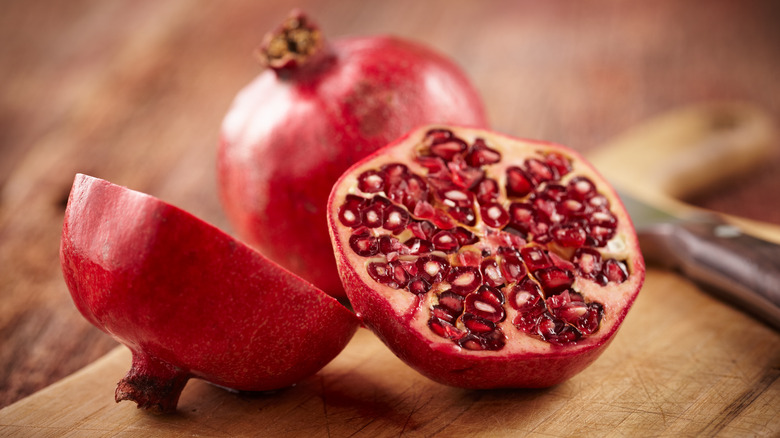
{"x": 189, "y": 300}
{"x": 482, "y": 260}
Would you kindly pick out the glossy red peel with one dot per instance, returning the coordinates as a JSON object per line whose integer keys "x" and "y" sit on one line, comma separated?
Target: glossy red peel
{"x": 318, "y": 107}
{"x": 189, "y": 300}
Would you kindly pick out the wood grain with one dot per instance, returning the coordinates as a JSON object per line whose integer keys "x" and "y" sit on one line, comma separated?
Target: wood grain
{"x": 134, "y": 92}
{"x": 675, "y": 369}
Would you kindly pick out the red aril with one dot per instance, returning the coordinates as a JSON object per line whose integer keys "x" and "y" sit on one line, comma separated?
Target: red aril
{"x": 189, "y": 300}
{"x": 319, "y": 107}
{"x": 543, "y": 268}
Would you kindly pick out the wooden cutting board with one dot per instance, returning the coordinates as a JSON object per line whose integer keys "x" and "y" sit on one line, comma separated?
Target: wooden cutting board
{"x": 683, "y": 364}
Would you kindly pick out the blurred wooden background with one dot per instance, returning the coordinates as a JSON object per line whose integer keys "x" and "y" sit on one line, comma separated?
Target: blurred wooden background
{"x": 134, "y": 92}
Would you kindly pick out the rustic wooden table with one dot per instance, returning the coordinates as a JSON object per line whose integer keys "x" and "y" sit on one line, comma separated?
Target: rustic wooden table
{"x": 134, "y": 92}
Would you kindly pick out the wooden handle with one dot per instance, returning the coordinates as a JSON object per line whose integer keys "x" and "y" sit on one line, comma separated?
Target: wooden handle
{"x": 686, "y": 151}
{"x": 739, "y": 268}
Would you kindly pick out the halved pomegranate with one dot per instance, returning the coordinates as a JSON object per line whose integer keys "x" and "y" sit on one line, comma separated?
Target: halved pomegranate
{"x": 189, "y": 300}
{"x": 482, "y": 260}
{"x": 317, "y": 108}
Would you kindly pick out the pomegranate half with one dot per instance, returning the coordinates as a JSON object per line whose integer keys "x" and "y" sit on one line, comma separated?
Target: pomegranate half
{"x": 482, "y": 260}
{"x": 316, "y": 109}
{"x": 189, "y": 300}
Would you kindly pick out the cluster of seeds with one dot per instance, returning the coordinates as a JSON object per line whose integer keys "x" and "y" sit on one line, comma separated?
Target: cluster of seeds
{"x": 480, "y": 243}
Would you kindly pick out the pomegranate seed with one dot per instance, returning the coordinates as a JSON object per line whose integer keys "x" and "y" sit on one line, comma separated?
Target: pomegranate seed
{"x": 422, "y": 229}
{"x": 554, "y": 192}
{"x": 418, "y": 246}
{"x": 481, "y": 154}
{"x": 525, "y": 295}
{"x": 443, "y": 220}
{"x": 452, "y": 302}
{"x": 349, "y": 212}
{"x": 494, "y": 215}
{"x": 444, "y": 328}
{"x": 491, "y": 273}
{"x": 513, "y": 268}
{"x": 561, "y": 164}
{"x": 522, "y": 216}
{"x": 433, "y": 164}
{"x": 363, "y": 243}
{"x": 373, "y": 216}
{"x": 448, "y": 149}
{"x": 389, "y": 274}
{"x": 397, "y": 273}
{"x": 437, "y": 135}
{"x": 556, "y": 331}
{"x": 547, "y": 209}
{"x": 469, "y": 258}
{"x": 464, "y": 279}
{"x": 539, "y": 171}
{"x": 518, "y": 183}
{"x": 396, "y": 219}
{"x": 599, "y": 202}
{"x": 466, "y": 177}
{"x": 535, "y": 258}
{"x": 599, "y": 235}
{"x": 443, "y": 313}
{"x": 487, "y": 303}
{"x": 486, "y": 191}
{"x": 464, "y": 215}
{"x": 394, "y": 173}
{"x": 475, "y": 324}
{"x": 590, "y": 321}
{"x": 418, "y": 286}
{"x": 494, "y": 340}
{"x": 581, "y": 188}
{"x": 464, "y": 236}
{"x": 445, "y": 241}
{"x": 416, "y": 191}
{"x": 554, "y": 279}
{"x": 454, "y": 197}
{"x": 389, "y": 244}
{"x": 615, "y": 271}
{"x": 371, "y": 181}
{"x": 424, "y": 210}
{"x": 588, "y": 262}
{"x": 570, "y": 235}
{"x": 432, "y": 268}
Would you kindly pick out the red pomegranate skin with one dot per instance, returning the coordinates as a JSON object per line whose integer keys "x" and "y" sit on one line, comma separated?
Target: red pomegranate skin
{"x": 189, "y": 300}
{"x": 293, "y": 130}
{"x": 398, "y": 319}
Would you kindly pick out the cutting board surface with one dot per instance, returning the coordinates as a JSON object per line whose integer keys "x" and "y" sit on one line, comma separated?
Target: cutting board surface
{"x": 683, "y": 364}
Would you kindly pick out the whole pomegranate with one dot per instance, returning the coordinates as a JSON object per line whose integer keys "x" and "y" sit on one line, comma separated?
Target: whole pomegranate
{"x": 189, "y": 300}
{"x": 316, "y": 109}
{"x": 485, "y": 261}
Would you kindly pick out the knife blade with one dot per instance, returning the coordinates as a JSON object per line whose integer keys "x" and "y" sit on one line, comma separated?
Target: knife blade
{"x": 739, "y": 268}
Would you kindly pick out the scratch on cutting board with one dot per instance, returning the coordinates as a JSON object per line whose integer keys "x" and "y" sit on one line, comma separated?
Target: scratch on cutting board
{"x": 325, "y": 406}
{"x": 746, "y": 399}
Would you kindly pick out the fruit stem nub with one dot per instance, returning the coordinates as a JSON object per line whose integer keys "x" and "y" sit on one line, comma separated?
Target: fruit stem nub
{"x": 295, "y": 43}
{"x": 154, "y": 385}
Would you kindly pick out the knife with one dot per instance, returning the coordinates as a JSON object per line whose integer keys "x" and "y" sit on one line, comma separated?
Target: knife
{"x": 739, "y": 268}
{"x": 671, "y": 157}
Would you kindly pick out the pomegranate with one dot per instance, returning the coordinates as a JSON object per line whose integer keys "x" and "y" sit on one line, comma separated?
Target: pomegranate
{"x": 482, "y": 260}
{"x": 190, "y": 301}
{"x": 317, "y": 108}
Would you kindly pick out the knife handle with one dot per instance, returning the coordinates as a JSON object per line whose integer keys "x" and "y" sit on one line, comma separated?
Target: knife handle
{"x": 739, "y": 268}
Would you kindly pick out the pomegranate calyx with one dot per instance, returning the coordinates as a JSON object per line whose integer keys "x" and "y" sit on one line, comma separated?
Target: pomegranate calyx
{"x": 153, "y": 385}
{"x": 296, "y": 43}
